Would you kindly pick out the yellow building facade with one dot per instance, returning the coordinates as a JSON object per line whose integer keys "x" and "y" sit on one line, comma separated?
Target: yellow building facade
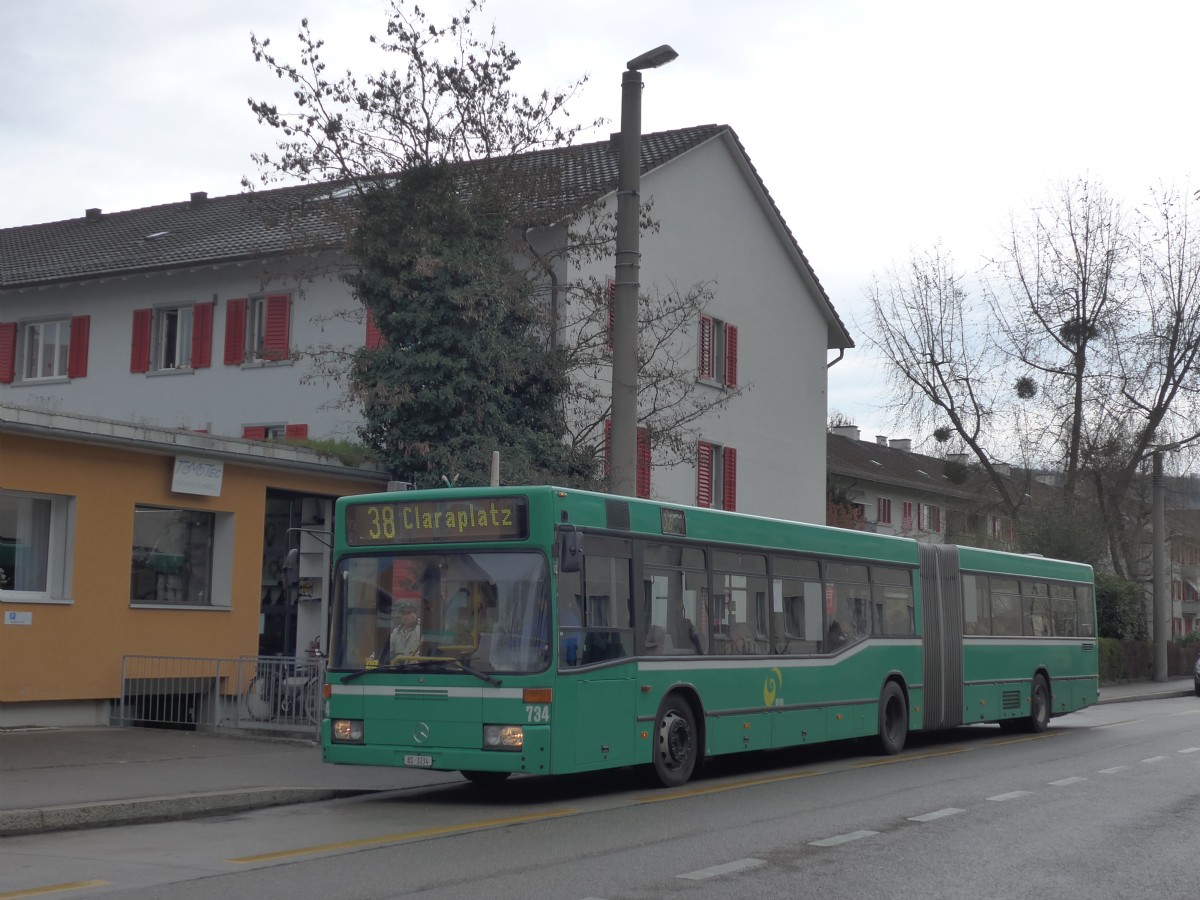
{"x": 119, "y": 540}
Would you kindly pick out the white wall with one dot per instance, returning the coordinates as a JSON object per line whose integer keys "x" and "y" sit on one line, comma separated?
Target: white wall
{"x": 220, "y": 398}
{"x": 714, "y": 229}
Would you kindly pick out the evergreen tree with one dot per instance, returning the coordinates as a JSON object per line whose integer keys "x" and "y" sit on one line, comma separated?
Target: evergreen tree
{"x": 463, "y": 367}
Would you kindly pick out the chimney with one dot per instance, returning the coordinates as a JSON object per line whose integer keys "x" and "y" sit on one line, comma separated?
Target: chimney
{"x": 881, "y": 440}
{"x": 93, "y": 214}
{"x": 198, "y": 197}
{"x": 960, "y": 458}
{"x": 904, "y": 444}
{"x": 847, "y": 431}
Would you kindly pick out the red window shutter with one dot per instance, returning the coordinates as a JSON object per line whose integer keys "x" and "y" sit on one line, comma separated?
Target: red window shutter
{"x": 139, "y": 351}
{"x": 883, "y": 510}
{"x": 731, "y": 354}
{"x": 77, "y": 354}
{"x": 296, "y": 432}
{"x": 643, "y": 462}
{"x": 277, "y": 329}
{"x": 8, "y": 352}
{"x": 202, "y": 324}
{"x": 729, "y": 478}
{"x": 611, "y": 297}
{"x": 704, "y": 467}
{"x": 374, "y": 336}
{"x": 255, "y": 432}
{"x": 906, "y": 522}
{"x": 235, "y": 332}
{"x": 706, "y": 347}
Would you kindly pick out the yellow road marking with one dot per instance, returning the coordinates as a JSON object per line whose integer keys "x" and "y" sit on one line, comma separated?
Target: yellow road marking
{"x": 1002, "y": 742}
{"x": 732, "y": 786}
{"x": 54, "y": 889}
{"x": 901, "y": 757}
{"x": 403, "y": 836}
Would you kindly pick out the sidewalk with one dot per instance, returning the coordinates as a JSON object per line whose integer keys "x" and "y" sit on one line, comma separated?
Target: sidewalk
{"x": 53, "y": 779}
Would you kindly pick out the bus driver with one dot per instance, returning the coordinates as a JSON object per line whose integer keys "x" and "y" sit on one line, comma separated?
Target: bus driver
{"x": 406, "y": 637}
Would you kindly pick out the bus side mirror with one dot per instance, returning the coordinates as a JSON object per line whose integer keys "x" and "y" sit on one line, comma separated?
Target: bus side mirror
{"x": 570, "y": 556}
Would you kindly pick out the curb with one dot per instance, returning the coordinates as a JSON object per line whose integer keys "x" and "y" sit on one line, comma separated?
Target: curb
{"x": 1152, "y": 695}
{"x": 158, "y": 809}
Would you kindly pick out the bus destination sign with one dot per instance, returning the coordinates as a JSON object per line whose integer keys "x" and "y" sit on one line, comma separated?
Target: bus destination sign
{"x": 436, "y": 521}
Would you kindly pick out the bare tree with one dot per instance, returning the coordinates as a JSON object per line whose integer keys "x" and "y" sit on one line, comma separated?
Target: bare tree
{"x": 449, "y": 101}
{"x": 1059, "y": 293}
{"x": 1098, "y": 311}
{"x": 941, "y": 360}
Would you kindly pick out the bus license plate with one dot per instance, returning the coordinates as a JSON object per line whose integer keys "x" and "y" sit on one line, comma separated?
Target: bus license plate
{"x": 420, "y": 762}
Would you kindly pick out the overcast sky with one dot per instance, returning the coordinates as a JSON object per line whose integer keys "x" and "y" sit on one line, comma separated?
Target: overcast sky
{"x": 878, "y": 127}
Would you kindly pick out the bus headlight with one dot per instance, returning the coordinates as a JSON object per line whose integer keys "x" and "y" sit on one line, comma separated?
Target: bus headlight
{"x": 503, "y": 737}
{"x": 347, "y": 731}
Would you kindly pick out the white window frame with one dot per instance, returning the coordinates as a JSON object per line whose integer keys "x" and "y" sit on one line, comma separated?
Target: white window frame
{"x": 33, "y": 357}
{"x": 171, "y": 348}
{"x": 256, "y": 329}
{"x": 59, "y": 540}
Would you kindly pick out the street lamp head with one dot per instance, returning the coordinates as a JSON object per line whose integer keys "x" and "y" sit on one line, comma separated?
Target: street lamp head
{"x": 652, "y": 59}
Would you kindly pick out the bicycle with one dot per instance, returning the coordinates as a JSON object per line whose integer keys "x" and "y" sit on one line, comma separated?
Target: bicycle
{"x": 285, "y": 690}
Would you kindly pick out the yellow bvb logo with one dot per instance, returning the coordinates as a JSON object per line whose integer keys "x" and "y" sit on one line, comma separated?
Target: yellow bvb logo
{"x": 771, "y": 686}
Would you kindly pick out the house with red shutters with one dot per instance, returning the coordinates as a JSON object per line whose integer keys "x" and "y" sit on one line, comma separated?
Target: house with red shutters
{"x": 196, "y": 315}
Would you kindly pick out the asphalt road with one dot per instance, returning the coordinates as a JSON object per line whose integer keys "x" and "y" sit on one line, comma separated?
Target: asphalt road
{"x": 1104, "y": 804}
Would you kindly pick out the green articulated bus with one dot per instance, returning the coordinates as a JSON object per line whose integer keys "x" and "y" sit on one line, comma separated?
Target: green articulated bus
{"x": 547, "y": 631}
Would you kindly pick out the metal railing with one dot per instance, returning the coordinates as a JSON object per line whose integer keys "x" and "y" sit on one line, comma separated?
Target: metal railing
{"x": 272, "y": 693}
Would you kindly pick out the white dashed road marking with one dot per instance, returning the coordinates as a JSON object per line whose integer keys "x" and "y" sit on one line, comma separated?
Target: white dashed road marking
{"x": 1075, "y": 779}
{"x": 1113, "y": 769}
{"x": 939, "y": 814}
{"x": 1011, "y": 795}
{"x": 1191, "y": 750}
{"x": 843, "y": 838}
{"x": 1154, "y": 759}
{"x": 724, "y": 869}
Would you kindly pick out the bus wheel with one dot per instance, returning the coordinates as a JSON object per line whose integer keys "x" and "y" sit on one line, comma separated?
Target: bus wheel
{"x": 484, "y": 779}
{"x": 675, "y": 742}
{"x": 893, "y": 719}
{"x": 1039, "y": 706}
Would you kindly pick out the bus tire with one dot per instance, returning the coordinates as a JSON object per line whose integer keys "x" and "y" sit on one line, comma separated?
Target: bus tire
{"x": 485, "y": 779}
{"x": 1039, "y": 706}
{"x": 893, "y": 719}
{"x": 676, "y": 741}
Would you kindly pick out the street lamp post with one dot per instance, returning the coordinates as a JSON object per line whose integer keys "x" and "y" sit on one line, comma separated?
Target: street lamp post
{"x": 623, "y": 447}
{"x": 1162, "y": 589}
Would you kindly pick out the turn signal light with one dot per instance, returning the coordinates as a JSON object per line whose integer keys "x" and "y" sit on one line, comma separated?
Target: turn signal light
{"x": 537, "y": 695}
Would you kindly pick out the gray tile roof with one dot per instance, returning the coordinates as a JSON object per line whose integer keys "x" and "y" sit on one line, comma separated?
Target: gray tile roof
{"x": 259, "y": 224}
{"x": 884, "y": 465}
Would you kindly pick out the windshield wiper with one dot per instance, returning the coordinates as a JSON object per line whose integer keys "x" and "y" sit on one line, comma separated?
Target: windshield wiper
{"x": 424, "y": 665}
{"x": 359, "y": 673}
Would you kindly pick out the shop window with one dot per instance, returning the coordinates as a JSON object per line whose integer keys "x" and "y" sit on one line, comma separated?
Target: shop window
{"x": 35, "y": 534}
{"x": 173, "y": 554}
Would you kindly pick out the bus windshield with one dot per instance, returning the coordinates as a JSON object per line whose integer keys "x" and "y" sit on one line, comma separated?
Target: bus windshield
{"x": 489, "y": 610}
